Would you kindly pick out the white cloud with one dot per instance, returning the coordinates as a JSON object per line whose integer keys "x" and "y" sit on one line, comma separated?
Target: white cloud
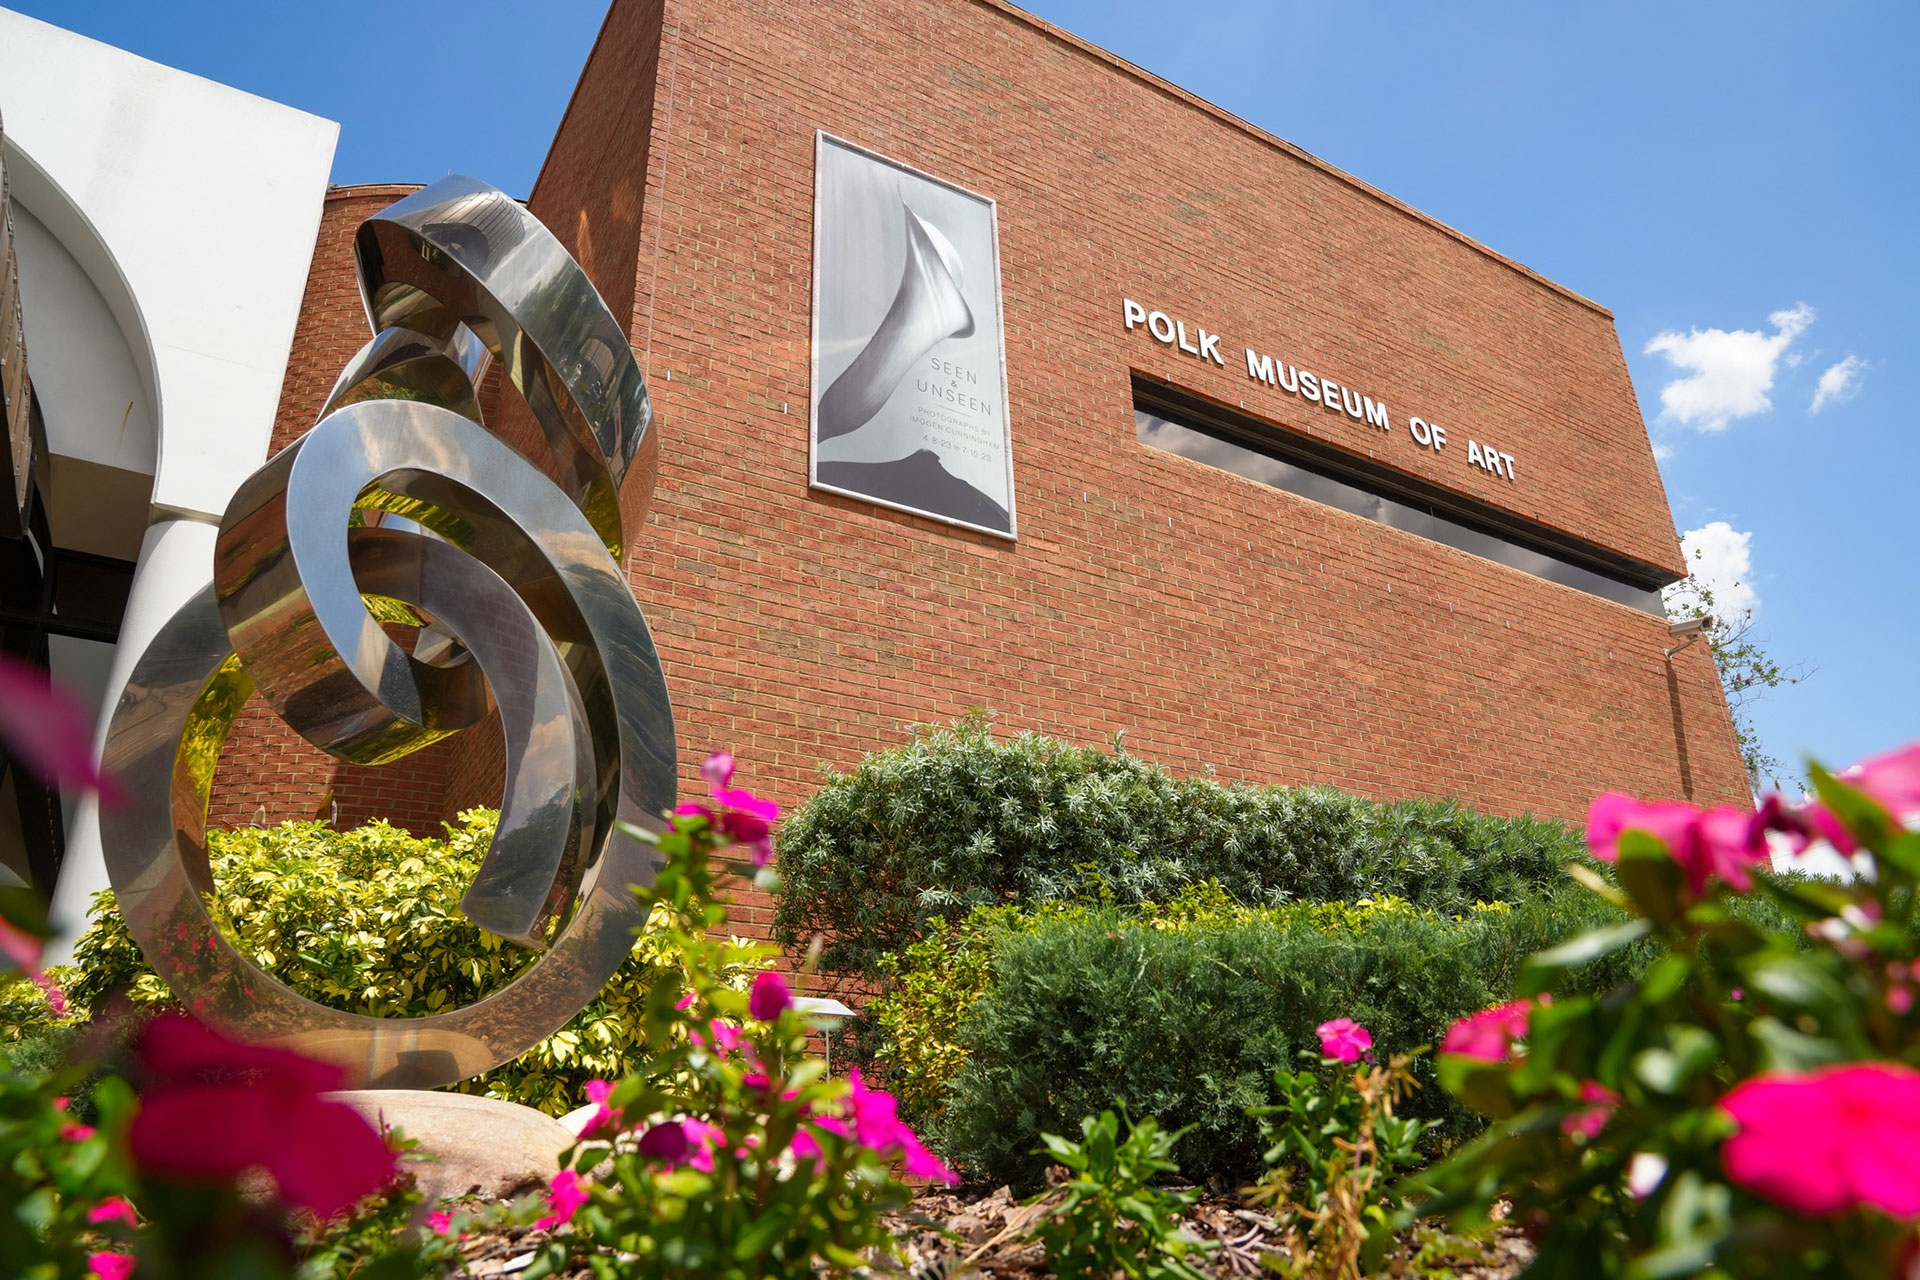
{"x": 1728, "y": 373}
{"x": 1839, "y": 384}
{"x": 1721, "y": 559}
{"x": 1661, "y": 452}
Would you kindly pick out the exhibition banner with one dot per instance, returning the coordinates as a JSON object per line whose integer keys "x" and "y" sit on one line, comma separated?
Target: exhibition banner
{"x": 909, "y": 353}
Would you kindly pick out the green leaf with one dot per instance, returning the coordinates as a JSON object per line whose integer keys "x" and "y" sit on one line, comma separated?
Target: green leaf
{"x": 1537, "y": 974}
{"x": 1857, "y": 811}
{"x": 1664, "y": 978}
{"x": 1650, "y": 876}
{"x": 1689, "y": 1051}
{"x": 763, "y": 1231}
{"x": 1784, "y": 1049}
{"x": 1796, "y": 982}
{"x": 1481, "y": 1085}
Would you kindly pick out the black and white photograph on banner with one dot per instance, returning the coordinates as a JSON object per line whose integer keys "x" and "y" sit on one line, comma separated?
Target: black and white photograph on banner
{"x": 909, "y": 355}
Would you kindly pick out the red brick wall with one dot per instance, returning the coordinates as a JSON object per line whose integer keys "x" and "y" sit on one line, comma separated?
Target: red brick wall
{"x": 1217, "y": 622}
{"x": 266, "y": 767}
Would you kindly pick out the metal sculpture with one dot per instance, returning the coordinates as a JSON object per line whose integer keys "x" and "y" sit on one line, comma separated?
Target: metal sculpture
{"x": 402, "y": 490}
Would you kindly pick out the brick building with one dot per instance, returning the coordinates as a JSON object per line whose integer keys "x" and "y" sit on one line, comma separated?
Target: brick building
{"x": 1305, "y": 486}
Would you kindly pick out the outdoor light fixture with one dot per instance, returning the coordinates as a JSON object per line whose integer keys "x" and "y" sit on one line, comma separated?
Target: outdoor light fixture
{"x": 1691, "y": 628}
{"x": 831, "y": 1014}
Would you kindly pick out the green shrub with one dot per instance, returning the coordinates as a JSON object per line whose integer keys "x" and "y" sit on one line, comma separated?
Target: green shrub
{"x": 910, "y": 1035}
{"x": 957, "y": 820}
{"x": 1112, "y": 1221}
{"x": 1187, "y": 1022}
{"x": 1183, "y": 1012}
{"x": 369, "y": 921}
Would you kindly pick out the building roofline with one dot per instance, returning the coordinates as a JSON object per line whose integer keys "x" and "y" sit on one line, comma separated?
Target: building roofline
{"x": 573, "y": 99}
{"x": 356, "y": 190}
{"x": 1088, "y": 49}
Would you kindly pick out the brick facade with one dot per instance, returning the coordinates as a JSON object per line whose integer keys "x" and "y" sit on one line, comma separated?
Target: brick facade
{"x": 1216, "y": 622}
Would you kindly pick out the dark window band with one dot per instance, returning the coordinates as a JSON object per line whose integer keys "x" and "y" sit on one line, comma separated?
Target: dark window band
{"x": 1166, "y": 419}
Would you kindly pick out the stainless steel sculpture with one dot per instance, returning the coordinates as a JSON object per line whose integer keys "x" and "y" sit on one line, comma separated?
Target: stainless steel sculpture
{"x": 402, "y": 490}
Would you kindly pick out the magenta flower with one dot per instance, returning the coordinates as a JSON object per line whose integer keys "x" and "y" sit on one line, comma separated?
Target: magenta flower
{"x": 725, "y": 1037}
{"x": 441, "y": 1221}
{"x": 19, "y": 948}
{"x": 605, "y": 1118}
{"x": 71, "y": 1130}
{"x": 1343, "y": 1039}
{"x": 1489, "y": 1034}
{"x": 113, "y": 1209}
{"x": 666, "y": 1142}
{"x": 1892, "y": 781}
{"x": 110, "y": 1266}
{"x": 212, "y": 1108}
{"x": 703, "y": 1138}
{"x": 717, "y": 769}
{"x": 565, "y": 1195}
{"x": 770, "y": 997}
{"x": 738, "y": 814}
{"x": 1723, "y": 842}
{"x": 1839, "y": 1138}
{"x": 48, "y": 730}
{"x": 1590, "y": 1120}
{"x": 878, "y": 1127}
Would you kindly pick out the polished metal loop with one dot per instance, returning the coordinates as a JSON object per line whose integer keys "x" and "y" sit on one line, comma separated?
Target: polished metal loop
{"x": 403, "y": 491}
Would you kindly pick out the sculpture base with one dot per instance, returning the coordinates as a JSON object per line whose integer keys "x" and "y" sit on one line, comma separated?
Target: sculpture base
{"x": 475, "y": 1146}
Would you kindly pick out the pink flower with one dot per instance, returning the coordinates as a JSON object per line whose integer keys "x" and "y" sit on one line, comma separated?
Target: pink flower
{"x": 770, "y": 997}
{"x": 48, "y": 730}
{"x": 878, "y": 1127}
{"x": 725, "y": 1037}
{"x": 110, "y": 1266}
{"x": 604, "y": 1117}
{"x": 564, "y": 1197}
{"x": 741, "y": 816}
{"x": 1344, "y": 1039}
{"x": 73, "y": 1132}
{"x": 20, "y": 948}
{"x": 212, "y": 1108}
{"x": 1891, "y": 780}
{"x": 705, "y": 1138}
{"x": 1829, "y": 1141}
{"x": 1721, "y": 842}
{"x": 1589, "y": 1121}
{"x": 113, "y": 1209}
{"x": 717, "y": 769}
{"x": 1489, "y": 1034}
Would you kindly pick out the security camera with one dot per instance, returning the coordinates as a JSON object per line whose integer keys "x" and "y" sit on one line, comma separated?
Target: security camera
{"x": 1686, "y": 627}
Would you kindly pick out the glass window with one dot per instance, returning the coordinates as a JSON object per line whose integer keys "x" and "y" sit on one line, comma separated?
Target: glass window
{"x": 1266, "y": 454}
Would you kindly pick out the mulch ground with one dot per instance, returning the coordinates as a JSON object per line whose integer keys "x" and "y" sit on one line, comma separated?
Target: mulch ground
{"x": 978, "y": 1236}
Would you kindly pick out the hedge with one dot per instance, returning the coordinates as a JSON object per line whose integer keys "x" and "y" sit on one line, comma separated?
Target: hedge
{"x": 957, "y": 819}
{"x": 368, "y": 920}
{"x": 1185, "y": 1020}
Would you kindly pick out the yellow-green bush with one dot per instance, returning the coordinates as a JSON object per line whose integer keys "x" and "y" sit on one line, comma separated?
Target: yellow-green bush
{"x": 369, "y": 921}
{"x": 913, "y": 1033}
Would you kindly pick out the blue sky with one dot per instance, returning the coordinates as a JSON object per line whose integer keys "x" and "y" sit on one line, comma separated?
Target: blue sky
{"x": 1738, "y": 181}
